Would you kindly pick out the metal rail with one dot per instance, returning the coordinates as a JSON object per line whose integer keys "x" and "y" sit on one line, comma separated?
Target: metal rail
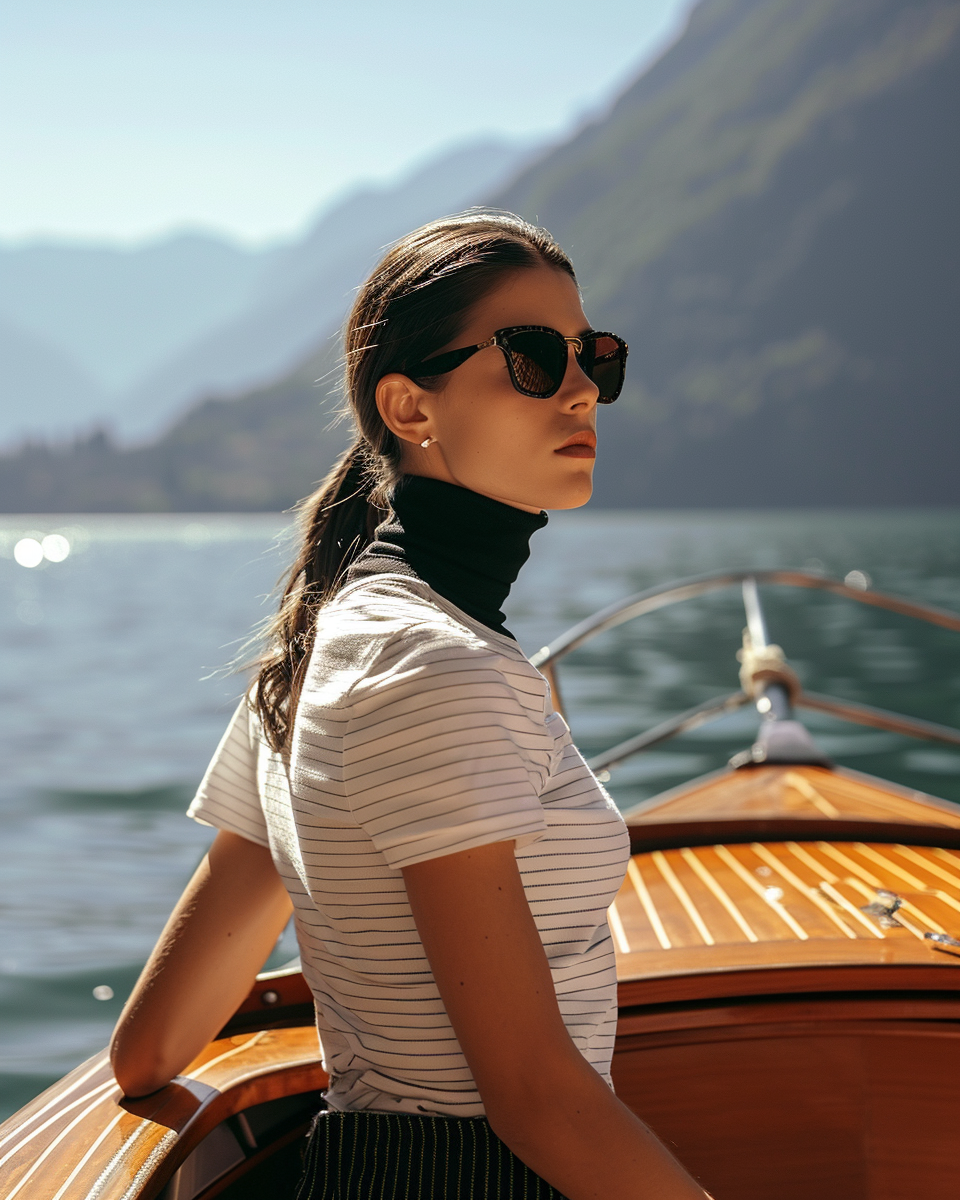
{"x": 700, "y": 714}
{"x": 879, "y": 718}
{"x": 711, "y": 710}
{"x": 699, "y": 585}
{"x": 653, "y": 598}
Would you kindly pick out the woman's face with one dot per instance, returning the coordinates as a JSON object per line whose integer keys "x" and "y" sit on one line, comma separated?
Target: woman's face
{"x": 487, "y": 436}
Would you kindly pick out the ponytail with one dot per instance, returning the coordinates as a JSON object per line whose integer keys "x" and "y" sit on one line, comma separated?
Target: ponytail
{"x": 415, "y": 303}
{"x": 336, "y": 522}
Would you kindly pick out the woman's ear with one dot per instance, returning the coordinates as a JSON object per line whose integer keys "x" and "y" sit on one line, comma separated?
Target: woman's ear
{"x": 401, "y": 406}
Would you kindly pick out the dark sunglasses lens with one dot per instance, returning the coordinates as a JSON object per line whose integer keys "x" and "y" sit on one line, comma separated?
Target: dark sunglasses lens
{"x": 539, "y": 361}
{"x": 603, "y": 362}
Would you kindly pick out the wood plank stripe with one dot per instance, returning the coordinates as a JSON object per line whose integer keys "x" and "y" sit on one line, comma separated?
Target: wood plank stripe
{"x": 616, "y": 928}
{"x": 56, "y": 1100}
{"x": 247, "y": 1045}
{"x": 42, "y": 1158}
{"x": 144, "y": 1172}
{"x": 806, "y": 789}
{"x": 862, "y": 888}
{"x": 882, "y": 860}
{"x": 846, "y": 861}
{"x": 864, "y": 920}
{"x": 682, "y": 895}
{"x": 169, "y": 1139}
{"x": 107, "y": 1130}
{"x": 806, "y": 857}
{"x": 288, "y": 1063}
{"x": 753, "y": 884}
{"x": 927, "y": 865}
{"x": 795, "y": 881}
{"x": 648, "y": 906}
{"x": 61, "y": 1112}
{"x": 861, "y": 872}
{"x": 706, "y": 875}
{"x": 195, "y": 1075}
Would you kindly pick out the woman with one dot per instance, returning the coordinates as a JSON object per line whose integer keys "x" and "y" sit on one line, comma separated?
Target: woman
{"x": 399, "y": 776}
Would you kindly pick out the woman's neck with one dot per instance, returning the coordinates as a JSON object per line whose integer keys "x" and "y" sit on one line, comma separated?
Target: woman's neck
{"x": 467, "y": 547}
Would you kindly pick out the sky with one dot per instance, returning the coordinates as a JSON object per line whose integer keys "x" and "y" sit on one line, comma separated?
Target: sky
{"x": 127, "y": 119}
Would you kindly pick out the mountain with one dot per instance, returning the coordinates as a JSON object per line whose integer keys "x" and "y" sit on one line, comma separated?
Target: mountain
{"x": 260, "y": 452}
{"x": 119, "y": 311}
{"x": 768, "y": 215}
{"x": 307, "y": 288}
{"x": 42, "y": 388}
{"x": 154, "y": 327}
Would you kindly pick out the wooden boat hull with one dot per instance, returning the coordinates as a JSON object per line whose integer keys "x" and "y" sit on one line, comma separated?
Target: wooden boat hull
{"x": 783, "y": 1040}
{"x": 835, "y": 1096}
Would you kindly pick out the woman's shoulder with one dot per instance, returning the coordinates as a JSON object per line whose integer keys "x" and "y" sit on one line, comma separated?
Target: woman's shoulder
{"x": 394, "y": 599}
{"x": 394, "y": 624}
{"x": 381, "y": 609}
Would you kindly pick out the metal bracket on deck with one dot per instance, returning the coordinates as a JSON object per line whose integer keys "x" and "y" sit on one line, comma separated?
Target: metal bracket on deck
{"x": 772, "y": 684}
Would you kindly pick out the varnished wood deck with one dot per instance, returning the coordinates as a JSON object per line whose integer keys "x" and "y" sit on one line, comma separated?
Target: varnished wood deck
{"x": 777, "y": 793}
{"x": 768, "y": 1025}
{"x": 784, "y": 905}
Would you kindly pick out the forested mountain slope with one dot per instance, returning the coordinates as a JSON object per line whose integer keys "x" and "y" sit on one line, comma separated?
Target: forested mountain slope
{"x": 769, "y": 217}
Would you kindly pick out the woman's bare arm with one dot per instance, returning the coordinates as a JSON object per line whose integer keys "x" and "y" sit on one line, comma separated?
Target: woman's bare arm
{"x": 219, "y": 935}
{"x": 541, "y": 1095}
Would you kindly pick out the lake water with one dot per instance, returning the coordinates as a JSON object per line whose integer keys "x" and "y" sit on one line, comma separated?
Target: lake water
{"x": 116, "y": 688}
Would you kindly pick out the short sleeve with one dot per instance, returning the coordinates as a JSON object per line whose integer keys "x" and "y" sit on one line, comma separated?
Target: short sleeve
{"x": 228, "y": 797}
{"x": 444, "y": 752}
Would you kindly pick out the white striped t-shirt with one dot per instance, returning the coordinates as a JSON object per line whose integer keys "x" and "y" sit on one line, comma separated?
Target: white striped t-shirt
{"x": 420, "y": 733}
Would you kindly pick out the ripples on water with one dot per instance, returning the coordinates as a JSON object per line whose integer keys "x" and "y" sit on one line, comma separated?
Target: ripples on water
{"x": 115, "y": 694}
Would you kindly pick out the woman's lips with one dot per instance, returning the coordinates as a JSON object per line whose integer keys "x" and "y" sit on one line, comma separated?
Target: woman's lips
{"x": 581, "y": 445}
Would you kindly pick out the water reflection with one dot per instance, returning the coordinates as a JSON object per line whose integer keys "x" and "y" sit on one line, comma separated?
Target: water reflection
{"x": 28, "y": 552}
{"x": 34, "y": 548}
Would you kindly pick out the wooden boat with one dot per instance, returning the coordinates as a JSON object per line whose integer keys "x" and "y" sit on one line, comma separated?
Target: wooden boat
{"x": 788, "y": 944}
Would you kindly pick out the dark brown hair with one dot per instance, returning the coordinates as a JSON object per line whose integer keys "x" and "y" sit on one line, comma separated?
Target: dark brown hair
{"x": 415, "y": 303}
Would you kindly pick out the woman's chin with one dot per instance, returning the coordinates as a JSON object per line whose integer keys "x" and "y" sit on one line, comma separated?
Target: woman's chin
{"x": 569, "y": 487}
{"x": 575, "y": 491}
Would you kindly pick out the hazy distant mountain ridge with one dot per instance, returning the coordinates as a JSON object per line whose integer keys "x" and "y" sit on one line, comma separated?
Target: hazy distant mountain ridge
{"x": 308, "y": 287}
{"x": 118, "y": 311}
{"x": 43, "y": 386}
{"x": 157, "y": 326}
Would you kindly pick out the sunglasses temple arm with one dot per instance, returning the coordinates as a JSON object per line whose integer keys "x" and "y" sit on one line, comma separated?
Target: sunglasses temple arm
{"x": 442, "y": 363}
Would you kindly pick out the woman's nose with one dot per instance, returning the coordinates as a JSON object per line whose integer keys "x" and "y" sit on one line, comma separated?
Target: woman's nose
{"x": 577, "y": 388}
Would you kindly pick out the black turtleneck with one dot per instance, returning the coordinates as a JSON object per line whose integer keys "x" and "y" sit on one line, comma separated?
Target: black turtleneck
{"x": 467, "y": 547}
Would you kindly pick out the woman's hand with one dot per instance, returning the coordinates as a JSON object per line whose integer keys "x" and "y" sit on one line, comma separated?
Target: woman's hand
{"x": 217, "y": 938}
{"x": 541, "y": 1095}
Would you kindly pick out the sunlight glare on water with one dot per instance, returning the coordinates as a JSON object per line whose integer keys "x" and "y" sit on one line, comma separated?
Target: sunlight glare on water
{"x": 28, "y": 552}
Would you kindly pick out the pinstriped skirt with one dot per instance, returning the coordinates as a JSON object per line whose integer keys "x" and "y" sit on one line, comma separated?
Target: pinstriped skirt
{"x": 399, "y": 1156}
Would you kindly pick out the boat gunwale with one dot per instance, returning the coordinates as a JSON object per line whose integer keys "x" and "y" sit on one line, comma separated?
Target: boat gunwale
{"x": 187, "y": 1110}
{"x": 636, "y": 815}
{"x": 674, "y": 835}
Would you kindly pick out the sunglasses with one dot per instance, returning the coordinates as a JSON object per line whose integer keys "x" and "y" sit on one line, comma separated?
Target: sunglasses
{"x": 537, "y": 359}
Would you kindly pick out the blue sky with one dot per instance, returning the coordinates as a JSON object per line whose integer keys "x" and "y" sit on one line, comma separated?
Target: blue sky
{"x": 124, "y": 119}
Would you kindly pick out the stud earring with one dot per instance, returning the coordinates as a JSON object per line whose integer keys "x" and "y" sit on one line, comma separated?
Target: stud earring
{"x": 426, "y": 442}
